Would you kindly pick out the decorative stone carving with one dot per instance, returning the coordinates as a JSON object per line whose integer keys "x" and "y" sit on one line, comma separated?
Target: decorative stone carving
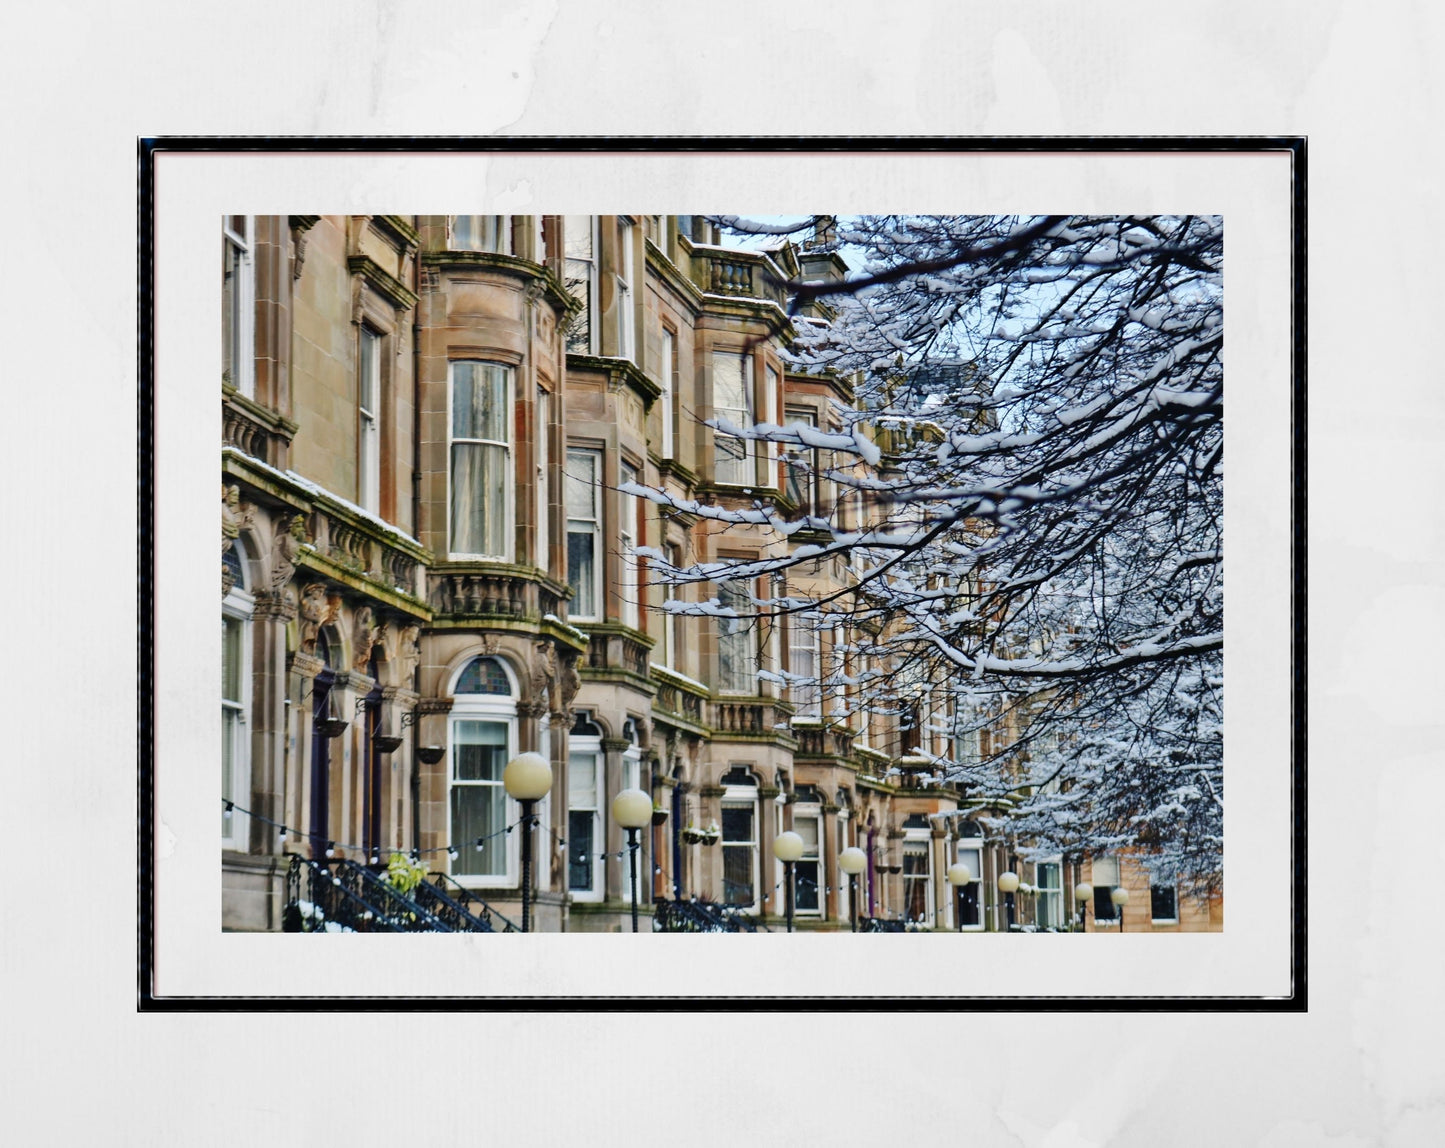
{"x": 286, "y": 547}
{"x": 277, "y": 605}
{"x": 408, "y": 654}
{"x": 542, "y": 680}
{"x": 569, "y": 681}
{"x": 363, "y": 637}
{"x": 235, "y": 515}
{"x": 314, "y": 611}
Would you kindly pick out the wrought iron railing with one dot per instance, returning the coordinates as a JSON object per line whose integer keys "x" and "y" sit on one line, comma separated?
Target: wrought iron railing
{"x": 468, "y": 902}
{"x": 450, "y": 911}
{"x": 882, "y": 925}
{"x": 695, "y": 916}
{"x": 342, "y": 897}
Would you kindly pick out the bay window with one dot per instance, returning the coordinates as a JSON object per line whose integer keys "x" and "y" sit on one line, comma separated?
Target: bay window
{"x": 800, "y": 467}
{"x": 480, "y": 476}
{"x": 584, "y": 533}
{"x": 732, "y": 402}
{"x": 483, "y": 734}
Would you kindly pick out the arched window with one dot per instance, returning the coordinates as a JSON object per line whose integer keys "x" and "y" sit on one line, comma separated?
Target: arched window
{"x": 483, "y": 739}
{"x": 236, "y": 609}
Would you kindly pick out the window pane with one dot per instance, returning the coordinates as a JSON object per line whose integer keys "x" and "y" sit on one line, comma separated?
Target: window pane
{"x": 582, "y": 484}
{"x": 479, "y": 811}
{"x": 479, "y": 401}
{"x": 582, "y": 573}
{"x": 479, "y": 478}
{"x": 1105, "y": 871}
{"x": 1163, "y": 906}
{"x": 480, "y": 750}
{"x": 231, "y": 659}
{"x": 805, "y": 886}
{"x": 484, "y": 676}
{"x": 737, "y": 823}
{"x": 581, "y": 844}
{"x": 582, "y": 780}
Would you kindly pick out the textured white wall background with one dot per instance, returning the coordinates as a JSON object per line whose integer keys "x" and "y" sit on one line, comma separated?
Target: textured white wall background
{"x": 1363, "y": 1068}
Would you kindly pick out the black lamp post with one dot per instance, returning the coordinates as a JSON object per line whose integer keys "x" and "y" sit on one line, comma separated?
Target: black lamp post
{"x": 788, "y": 847}
{"x": 527, "y": 779}
{"x": 632, "y": 809}
{"x": 853, "y": 861}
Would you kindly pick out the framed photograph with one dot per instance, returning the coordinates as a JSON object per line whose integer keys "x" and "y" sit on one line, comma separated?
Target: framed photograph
{"x": 791, "y": 538}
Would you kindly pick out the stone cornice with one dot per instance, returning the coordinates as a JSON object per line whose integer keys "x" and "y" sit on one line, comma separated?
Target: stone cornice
{"x": 619, "y": 372}
{"x": 399, "y": 228}
{"x": 557, "y": 295}
{"x": 393, "y": 290}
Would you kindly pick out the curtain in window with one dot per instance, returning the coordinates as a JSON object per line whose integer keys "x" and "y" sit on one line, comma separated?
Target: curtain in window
{"x": 480, "y": 442}
{"x": 807, "y": 876}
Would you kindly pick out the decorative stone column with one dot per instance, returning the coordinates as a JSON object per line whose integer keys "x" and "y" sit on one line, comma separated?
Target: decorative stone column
{"x": 432, "y": 790}
{"x": 615, "y": 867}
{"x": 269, "y": 735}
{"x": 770, "y": 897}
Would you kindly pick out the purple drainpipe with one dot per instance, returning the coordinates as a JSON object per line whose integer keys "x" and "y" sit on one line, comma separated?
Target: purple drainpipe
{"x": 872, "y": 837}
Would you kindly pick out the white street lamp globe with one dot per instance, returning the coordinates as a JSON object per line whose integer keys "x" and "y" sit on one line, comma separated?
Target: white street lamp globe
{"x": 1083, "y": 892}
{"x": 632, "y": 809}
{"x": 959, "y": 874}
{"x": 528, "y": 777}
{"x": 1008, "y": 882}
{"x": 788, "y": 846}
{"x": 1120, "y": 896}
{"x": 852, "y": 861}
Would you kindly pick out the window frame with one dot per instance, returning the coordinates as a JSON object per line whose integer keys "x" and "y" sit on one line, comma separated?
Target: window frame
{"x": 629, "y": 530}
{"x": 741, "y": 797}
{"x": 1049, "y": 894}
{"x": 625, "y": 280}
{"x": 597, "y": 458}
{"x": 239, "y": 358}
{"x": 918, "y": 842}
{"x": 590, "y": 746}
{"x": 811, "y": 814}
{"x": 666, "y": 369}
{"x": 749, "y": 631}
{"x": 1103, "y": 889}
{"x": 368, "y": 420}
{"x": 507, "y": 447}
{"x": 1173, "y": 889}
{"x": 497, "y": 709}
{"x": 801, "y": 626}
{"x": 501, "y": 225}
{"x": 745, "y": 464}
{"x": 238, "y": 608}
{"x": 590, "y": 304}
{"x": 975, "y": 847}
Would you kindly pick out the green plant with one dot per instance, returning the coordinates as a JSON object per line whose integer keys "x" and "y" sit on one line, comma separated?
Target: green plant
{"x": 403, "y": 874}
